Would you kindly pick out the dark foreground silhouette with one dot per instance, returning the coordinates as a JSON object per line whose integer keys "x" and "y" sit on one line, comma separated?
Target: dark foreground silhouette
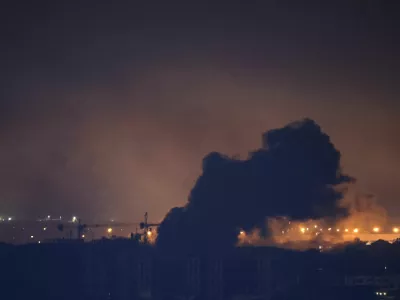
{"x": 123, "y": 269}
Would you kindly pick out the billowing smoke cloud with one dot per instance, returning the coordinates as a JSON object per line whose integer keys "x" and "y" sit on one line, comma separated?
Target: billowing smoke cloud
{"x": 293, "y": 175}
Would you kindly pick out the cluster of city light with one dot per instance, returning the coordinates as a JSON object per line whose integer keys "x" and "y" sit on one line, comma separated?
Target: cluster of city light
{"x": 149, "y": 233}
{"x": 354, "y": 230}
{"x": 381, "y": 293}
{"x": 318, "y": 230}
{"x": 46, "y": 228}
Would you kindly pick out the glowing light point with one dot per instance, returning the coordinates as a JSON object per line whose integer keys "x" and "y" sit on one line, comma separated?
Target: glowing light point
{"x": 338, "y": 230}
{"x": 109, "y": 230}
{"x": 48, "y": 217}
{"x": 242, "y": 232}
{"x": 32, "y": 236}
{"x": 346, "y": 230}
{"x": 395, "y": 230}
{"x": 149, "y": 233}
{"x": 355, "y": 230}
{"x": 375, "y": 229}
{"x": 302, "y": 230}
{"x": 83, "y": 236}
{"x": 44, "y": 228}
{"x": 329, "y": 229}
{"x": 74, "y": 219}
{"x": 9, "y": 219}
{"x": 315, "y": 226}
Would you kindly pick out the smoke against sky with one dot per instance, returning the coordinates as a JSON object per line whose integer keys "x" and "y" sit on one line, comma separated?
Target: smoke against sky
{"x": 109, "y": 112}
{"x": 293, "y": 175}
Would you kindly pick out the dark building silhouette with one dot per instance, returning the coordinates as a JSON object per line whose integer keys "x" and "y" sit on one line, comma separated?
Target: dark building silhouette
{"x": 123, "y": 269}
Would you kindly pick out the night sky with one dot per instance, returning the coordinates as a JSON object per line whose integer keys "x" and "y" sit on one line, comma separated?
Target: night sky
{"x": 108, "y": 107}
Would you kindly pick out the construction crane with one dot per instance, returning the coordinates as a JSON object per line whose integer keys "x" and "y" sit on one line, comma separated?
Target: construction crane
{"x": 80, "y": 228}
{"x": 147, "y": 228}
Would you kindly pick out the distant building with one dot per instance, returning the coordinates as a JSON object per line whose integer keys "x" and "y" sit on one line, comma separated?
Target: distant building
{"x": 386, "y": 282}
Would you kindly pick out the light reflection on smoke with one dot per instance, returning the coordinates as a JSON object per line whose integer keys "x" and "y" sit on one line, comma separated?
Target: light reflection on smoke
{"x": 367, "y": 221}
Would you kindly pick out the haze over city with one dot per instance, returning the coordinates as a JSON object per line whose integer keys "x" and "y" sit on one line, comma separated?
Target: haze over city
{"x": 108, "y": 114}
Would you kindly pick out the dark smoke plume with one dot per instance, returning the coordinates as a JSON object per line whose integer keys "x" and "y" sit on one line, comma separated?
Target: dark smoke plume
{"x": 293, "y": 175}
